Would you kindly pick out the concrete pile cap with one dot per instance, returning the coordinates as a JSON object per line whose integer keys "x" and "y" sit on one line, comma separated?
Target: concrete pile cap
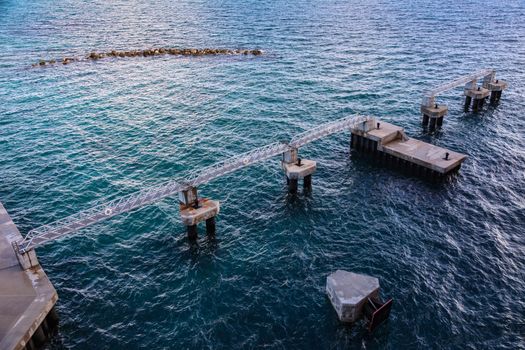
{"x": 498, "y": 86}
{"x": 477, "y": 94}
{"x": 294, "y": 171}
{"x": 351, "y": 288}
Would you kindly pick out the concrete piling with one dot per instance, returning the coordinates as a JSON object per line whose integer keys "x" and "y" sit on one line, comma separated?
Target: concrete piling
{"x": 194, "y": 210}
{"x": 296, "y": 169}
{"x": 425, "y": 120}
{"x": 193, "y": 232}
{"x": 477, "y": 95}
{"x": 292, "y": 185}
{"x": 432, "y": 125}
{"x": 433, "y": 115}
{"x": 307, "y": 182}
{"x": 496, "y": 88}
{"x": 468, "y": 100}
{"x": 210, "y": 226}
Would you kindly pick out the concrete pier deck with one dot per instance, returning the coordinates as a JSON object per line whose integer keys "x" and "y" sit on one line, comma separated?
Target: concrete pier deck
{"x": 27, "y": 298}
{"x": 389, "y": 142}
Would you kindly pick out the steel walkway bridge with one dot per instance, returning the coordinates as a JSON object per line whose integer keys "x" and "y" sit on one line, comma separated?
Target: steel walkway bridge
{"x": 470, "y": 80}
{"x": 105, "y": 210}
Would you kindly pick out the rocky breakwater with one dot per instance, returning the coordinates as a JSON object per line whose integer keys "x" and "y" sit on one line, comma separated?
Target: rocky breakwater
{"x": 94, "y": 56}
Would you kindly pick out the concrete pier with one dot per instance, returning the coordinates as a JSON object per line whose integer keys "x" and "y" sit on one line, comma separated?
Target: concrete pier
{"x": 433, "y": 116}
{"x": 349, "y": 293}
{"x": 297, "y": 169}
{"x": 496, "y": 88}
{"x": 27, "y": 297}
{"x": 194, "y": 210}
{"x": 389, "y": 145}
{"x": 477, "y": 96}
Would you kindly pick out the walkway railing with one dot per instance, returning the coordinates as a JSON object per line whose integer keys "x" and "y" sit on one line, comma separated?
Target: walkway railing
{"x": 100, "y": 212}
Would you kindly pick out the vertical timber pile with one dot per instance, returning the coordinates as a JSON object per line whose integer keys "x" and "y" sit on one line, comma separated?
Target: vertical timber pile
{"x": 296, "y": 169}
{"x": 194, "y": 210}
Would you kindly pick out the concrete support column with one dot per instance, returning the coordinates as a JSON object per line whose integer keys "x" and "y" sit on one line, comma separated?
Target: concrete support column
{"x": 210, "y": 226}
{"x": 425, "y": 120}
{"x": 496, "y": 87}
{"x": 194, "y": 210}
{"x": 432, "y": 124}
{"x": 26, "y": 259}
{"x": 433, "y": 112}
{"x": 493, "y": 97}
{"x": 39, "y": 337}
{"x": 300, "y": 169}
{"x": 477, "y": 95}
{"x": 475, "y": 105}
{"x": 292, "y": 185}
{"x": 188, "y": 197}
{"x": 193, "y": 233}
{"x": 307, "y": 182}
{"x": 468, "y": 100}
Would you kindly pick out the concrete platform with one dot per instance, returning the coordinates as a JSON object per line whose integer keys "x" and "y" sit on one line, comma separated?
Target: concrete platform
{"x": 298, "y": 172}
{"x": 498, "y": 85}
{"x": 434, "y": 112}
{"x": 386, "y": 133}
{"x": 207, "y": 209}
{"x": 348, "y": 293}
{"x": 26, "y": 297}
{"x": 425, "y": 154}
{"x": 477, "y": 94}
{"x": 390, "y": 140}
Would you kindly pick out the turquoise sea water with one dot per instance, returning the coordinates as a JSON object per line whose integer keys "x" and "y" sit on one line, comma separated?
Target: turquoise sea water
{"x": 451, "y": 255}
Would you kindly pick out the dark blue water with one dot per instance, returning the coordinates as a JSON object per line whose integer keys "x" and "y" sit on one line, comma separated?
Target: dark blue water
{"x": 451, "y": 255}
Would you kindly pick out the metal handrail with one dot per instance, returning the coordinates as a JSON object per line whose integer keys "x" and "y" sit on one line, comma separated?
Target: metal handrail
{"x": 105, "y": 210}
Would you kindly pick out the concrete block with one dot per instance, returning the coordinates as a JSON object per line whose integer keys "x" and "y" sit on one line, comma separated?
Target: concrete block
{"x": 498, "y": 85}
{"x": 290, "y": 156}
{"x": 367, "y": 125}
{"x": 433, "y": 111}
{"x": 207, "y": 209}
{"x": 348, "y": 293}
{"x": 188, "y": 197}
{"x": 297, "y": 172}
{"x": 477, "y": 94}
